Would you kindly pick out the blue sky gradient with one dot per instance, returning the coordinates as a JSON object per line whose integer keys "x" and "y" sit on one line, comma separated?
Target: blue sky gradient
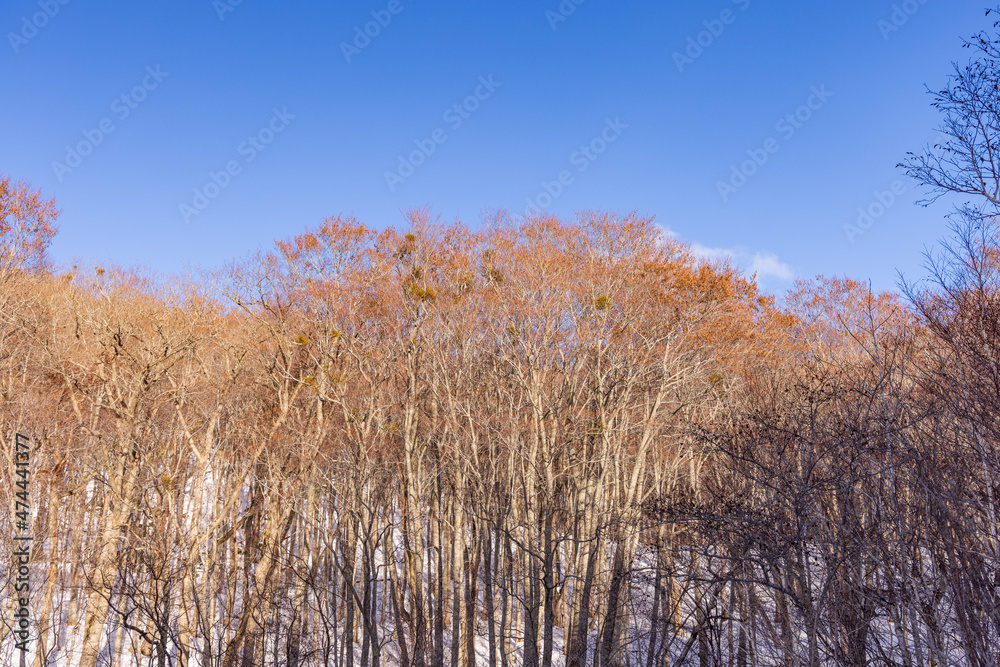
{"x": 279, "y": 114}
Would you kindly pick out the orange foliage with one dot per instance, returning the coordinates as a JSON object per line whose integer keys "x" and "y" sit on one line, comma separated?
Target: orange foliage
{"x": 27, "y": 225}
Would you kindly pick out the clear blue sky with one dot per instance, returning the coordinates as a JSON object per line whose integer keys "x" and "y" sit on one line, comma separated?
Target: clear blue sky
{"x": 201, "y": 77}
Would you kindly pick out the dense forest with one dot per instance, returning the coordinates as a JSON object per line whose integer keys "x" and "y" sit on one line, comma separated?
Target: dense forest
{"x": 528, "y": 442}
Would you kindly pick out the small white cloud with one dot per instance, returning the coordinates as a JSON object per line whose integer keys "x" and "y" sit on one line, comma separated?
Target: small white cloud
{"x": 666, "y": 233}
{"x": 765, "y": 265}
{"x": 711, "y": 254}
{"x": 769, "y": 265}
